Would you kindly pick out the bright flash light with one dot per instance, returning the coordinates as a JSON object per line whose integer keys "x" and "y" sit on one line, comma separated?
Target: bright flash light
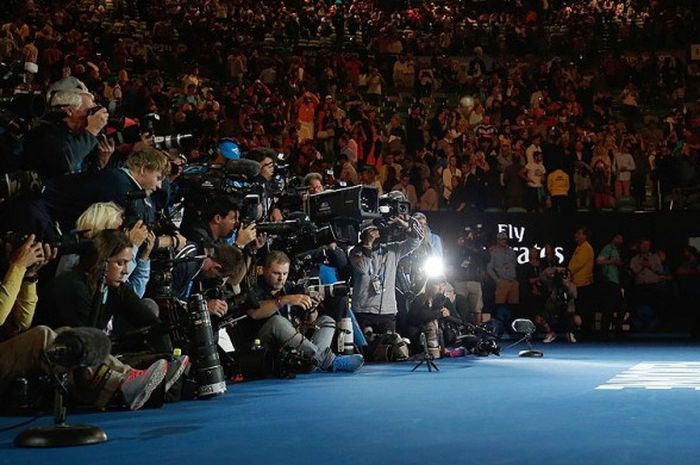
{"x": 433, "y": 267}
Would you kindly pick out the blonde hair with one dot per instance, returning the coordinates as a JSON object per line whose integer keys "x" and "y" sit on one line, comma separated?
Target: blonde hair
{"x": 150, "y": 159}
{"x": 100, "y": 216}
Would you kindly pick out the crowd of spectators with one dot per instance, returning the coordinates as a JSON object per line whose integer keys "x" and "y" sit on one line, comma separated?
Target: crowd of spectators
{"x": 500, "y": 128}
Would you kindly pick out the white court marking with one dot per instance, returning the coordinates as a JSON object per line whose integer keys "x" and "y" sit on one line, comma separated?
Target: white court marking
{"x": 657, "y": 376}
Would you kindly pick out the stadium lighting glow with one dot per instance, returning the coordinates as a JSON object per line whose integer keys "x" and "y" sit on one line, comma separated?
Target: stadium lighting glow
{"x": 433, "y": 267}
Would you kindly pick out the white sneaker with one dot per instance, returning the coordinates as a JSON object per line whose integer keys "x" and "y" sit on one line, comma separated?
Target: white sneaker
{"x": 571, "y": 338}
{"x": 550, "y": 337}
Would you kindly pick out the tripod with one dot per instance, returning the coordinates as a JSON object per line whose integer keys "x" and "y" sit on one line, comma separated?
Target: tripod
{"x": 425, "y": 357}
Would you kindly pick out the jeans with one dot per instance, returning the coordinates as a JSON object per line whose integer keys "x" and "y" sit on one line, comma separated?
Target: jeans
{"x": 278, "y": 330}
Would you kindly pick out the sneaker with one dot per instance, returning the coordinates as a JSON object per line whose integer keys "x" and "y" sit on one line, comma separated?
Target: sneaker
{"x": 550, "y": 337}
{"x": 349, "y": 363}
{"x": 571, "y": 338}
{"x": 176, "y": 368}
{"x": 140, "y": 384}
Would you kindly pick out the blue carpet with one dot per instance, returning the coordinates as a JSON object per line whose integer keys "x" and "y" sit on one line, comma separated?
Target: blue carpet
{"x": 506, "y": 410}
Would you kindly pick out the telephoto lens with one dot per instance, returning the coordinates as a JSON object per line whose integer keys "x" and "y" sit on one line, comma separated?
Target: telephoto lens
{"x": 207, "y": 369}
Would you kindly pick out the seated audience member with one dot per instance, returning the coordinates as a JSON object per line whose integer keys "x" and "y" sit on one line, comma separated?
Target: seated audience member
{"x": 22, "y": 349}
{"x": 287, "y": 318}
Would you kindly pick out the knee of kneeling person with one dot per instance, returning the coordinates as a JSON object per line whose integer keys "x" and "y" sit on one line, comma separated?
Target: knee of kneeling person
{"x": 325, "y": 321}
{"x": 152, "y": 306}
{"x": 44, "y": 333}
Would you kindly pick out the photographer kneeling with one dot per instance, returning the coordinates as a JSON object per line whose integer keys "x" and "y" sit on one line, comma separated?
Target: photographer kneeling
{"x": 267, "y": 322}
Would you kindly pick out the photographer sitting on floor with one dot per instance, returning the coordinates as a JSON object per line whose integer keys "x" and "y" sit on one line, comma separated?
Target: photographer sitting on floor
{"x": 71, "y": 297}
{"x": 426, "y": 309}
{"x": 22, "y": 351}
{"x": 288, "y": 318}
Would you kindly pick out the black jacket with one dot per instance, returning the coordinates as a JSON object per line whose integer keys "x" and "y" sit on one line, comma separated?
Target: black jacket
{"x": 52, "y": 149}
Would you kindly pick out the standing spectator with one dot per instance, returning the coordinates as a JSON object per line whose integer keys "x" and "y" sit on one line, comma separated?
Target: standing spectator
{"x": 599, "y": 181}
{"x": 429, "y": 199}
{"x": 375, "y": 87}
{"x": 582, "y": 177}
{"x": 649, "y": 277}
{"x": 623, "y": 166}
{"x": 610, "y": 286}
{"x": 535, "y": 174}
{"x": 515, "y": 183}
{"x": 447, "y": 175}
{"x": 306, "y": 109}
{"x": 581, "y": 269}
{"x": 502, "y": 269}
{"x": 468, "y": 268}
{"x": 558, "y": 188}
{"x": 407, "y": 189}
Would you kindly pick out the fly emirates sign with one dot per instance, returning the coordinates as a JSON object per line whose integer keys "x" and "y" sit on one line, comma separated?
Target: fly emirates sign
{"x": 516, "y": 236}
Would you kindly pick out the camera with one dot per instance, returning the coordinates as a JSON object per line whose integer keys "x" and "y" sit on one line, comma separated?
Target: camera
{"x": 174, "y": 141}
{"x": 478, "y": 340}
{"x": 19, "y": 184}
{"x": 67, "y": 244}
{"x": 238, "y": 305}
{"x": 394, "y": 204}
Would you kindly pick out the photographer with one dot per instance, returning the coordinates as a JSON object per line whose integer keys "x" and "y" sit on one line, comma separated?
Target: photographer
{"x": 468, "y": 269}
{"x": 226, "y": 264}
{"x": 267, "y": 322}
{"x": 426, "y": 309}
{"x": 374, "y": 275}
{"x": 131, "y": 187}
{"x": 22, "y": 353}
{"x": 68, "y": 133}
{"x": 108, "y": 215}
{"x": 217, "y": 224}
{"x": 71, "y": 297}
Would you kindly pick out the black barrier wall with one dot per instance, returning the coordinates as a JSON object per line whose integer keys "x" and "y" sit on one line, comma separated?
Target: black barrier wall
{"x": 668, "y": 230}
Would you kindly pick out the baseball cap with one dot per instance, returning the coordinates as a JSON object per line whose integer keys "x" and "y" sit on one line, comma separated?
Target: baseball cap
{"x": 230, "y": 150}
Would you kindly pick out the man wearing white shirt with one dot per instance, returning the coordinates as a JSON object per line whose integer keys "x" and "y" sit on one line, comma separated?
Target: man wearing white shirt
{"x": 447, "y": 175}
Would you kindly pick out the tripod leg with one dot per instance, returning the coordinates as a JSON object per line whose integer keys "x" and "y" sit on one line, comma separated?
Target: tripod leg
{"x": 418, "y": 365}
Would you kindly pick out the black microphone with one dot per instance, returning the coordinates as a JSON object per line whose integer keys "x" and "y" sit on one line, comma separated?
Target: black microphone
{"x": 243, "y": 167}
{"x": 79, "y": 347}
